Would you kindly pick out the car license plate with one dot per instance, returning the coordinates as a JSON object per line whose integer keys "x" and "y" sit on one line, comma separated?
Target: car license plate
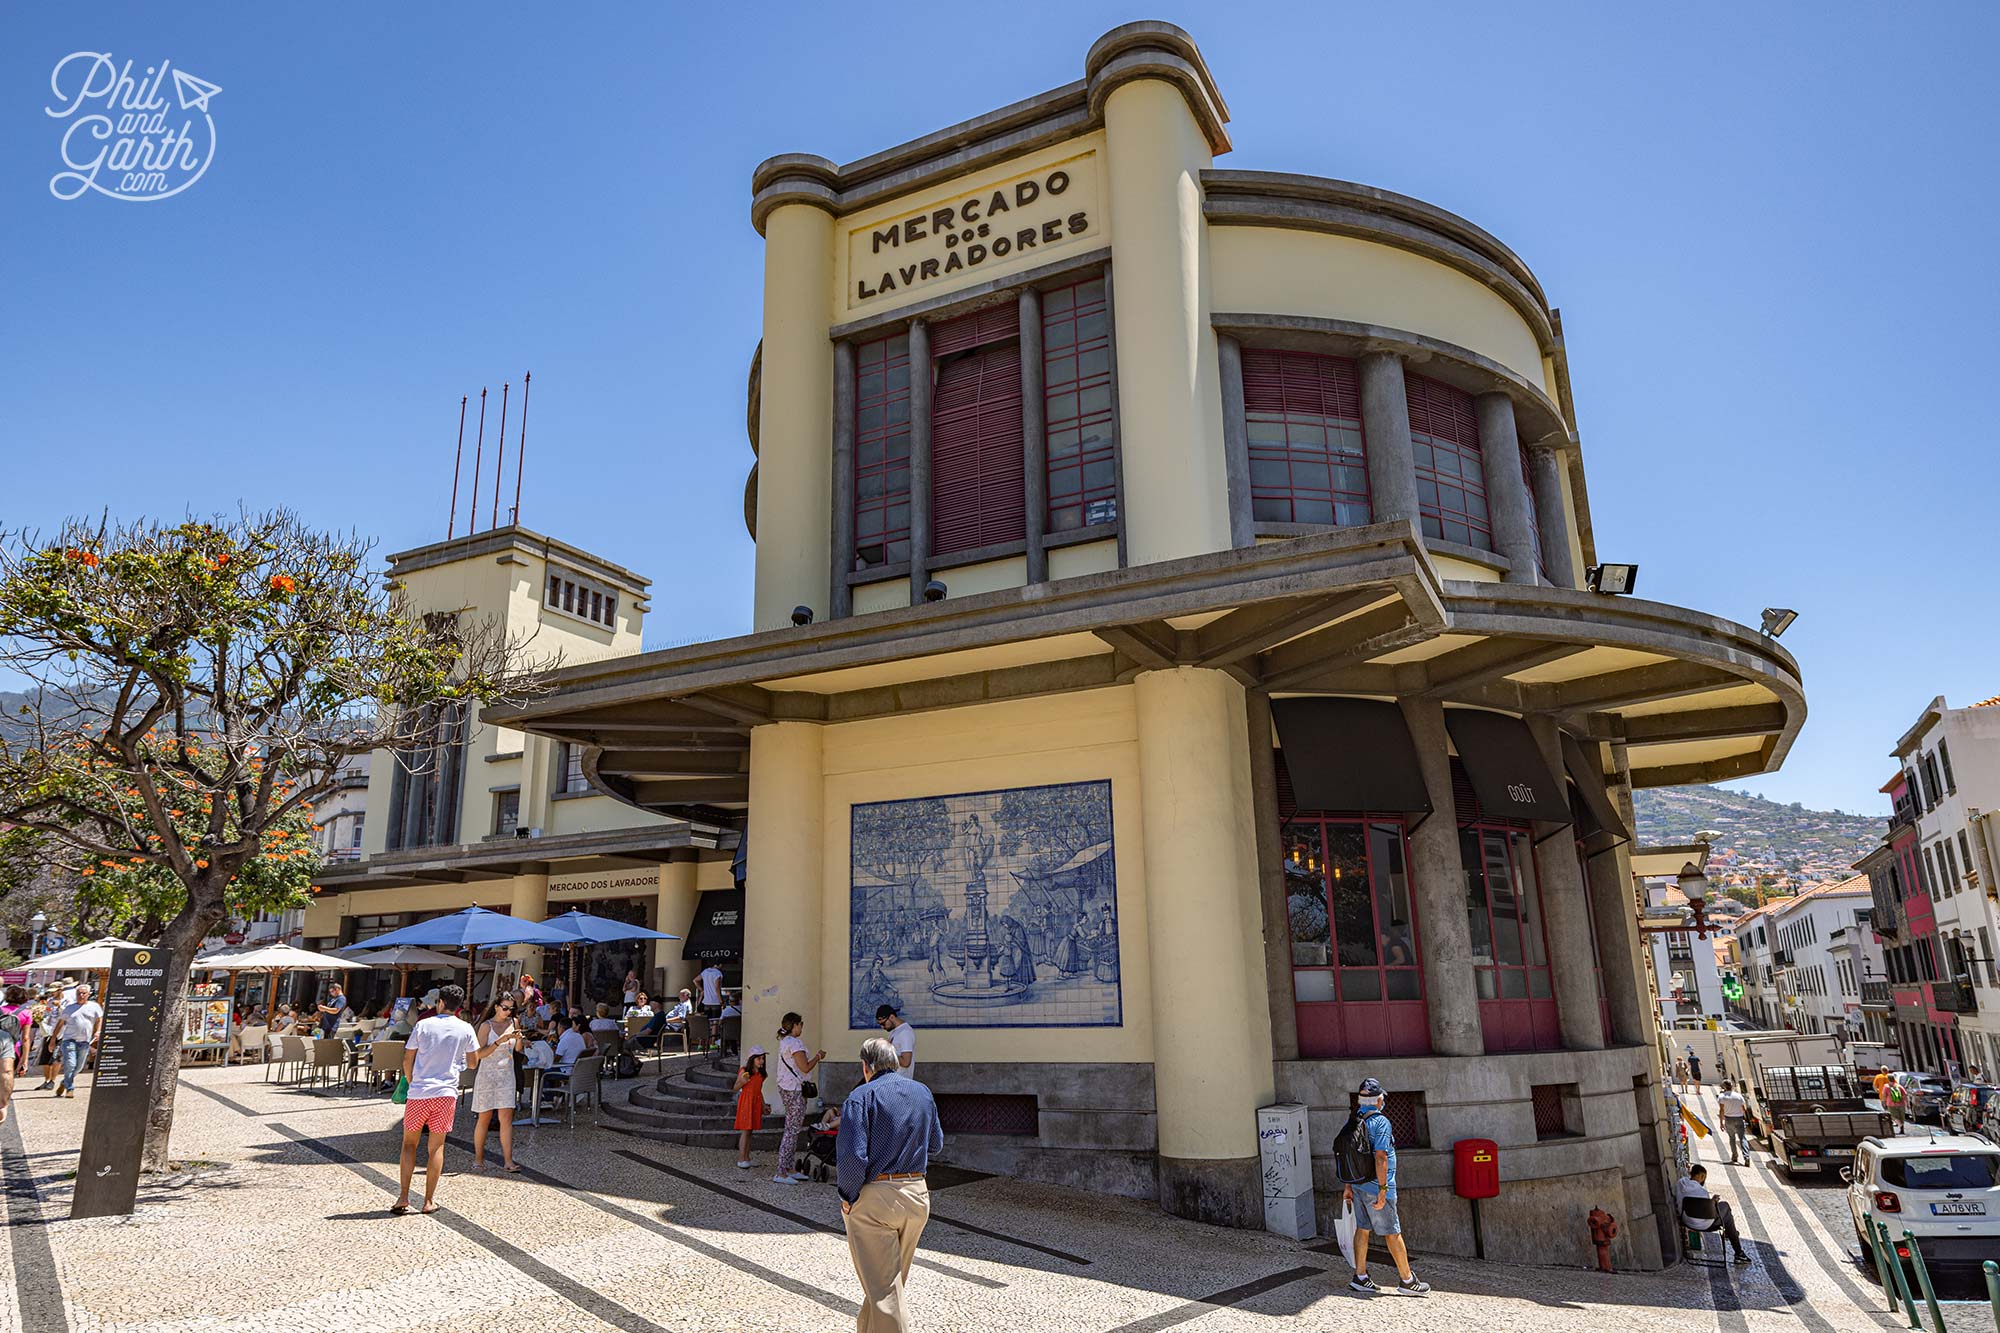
{"x": 1840, "y": 1152}
{"x": 1956, "y": 1209}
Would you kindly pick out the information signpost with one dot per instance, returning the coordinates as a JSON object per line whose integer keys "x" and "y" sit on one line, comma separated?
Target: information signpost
{"x": 114, "y": 1132}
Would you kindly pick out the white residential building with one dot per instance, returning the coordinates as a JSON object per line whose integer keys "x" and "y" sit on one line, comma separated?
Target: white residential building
{"x": 1819, "y": 991}
{"x": 1951, "y": 760}
{"x": 1753, "y": 962}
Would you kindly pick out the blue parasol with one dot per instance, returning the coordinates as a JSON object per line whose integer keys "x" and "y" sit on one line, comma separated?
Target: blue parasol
{"x": 473, "y": 928}
{"x": 583, "y": 928}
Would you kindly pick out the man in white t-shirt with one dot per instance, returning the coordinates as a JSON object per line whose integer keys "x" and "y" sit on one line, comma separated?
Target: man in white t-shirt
{"x": 438, "y": 1051}
{"x": 77, "y": 1031}
{"x": 1734, "y": 1124}
{"x": 572, "y": 1045}
{"x": 710, "y": 984}
{"x": 901, "y": 1035}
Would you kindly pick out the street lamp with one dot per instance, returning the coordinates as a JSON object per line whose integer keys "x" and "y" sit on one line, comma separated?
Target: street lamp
{"x": 37, "y": 923}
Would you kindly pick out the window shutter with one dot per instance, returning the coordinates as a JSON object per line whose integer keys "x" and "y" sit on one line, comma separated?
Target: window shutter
{"x": 1308, "y": 457}
{"x": 978, "y": 494}
{"x": 997, "y": 323}
{"x": 1451, "y": 473}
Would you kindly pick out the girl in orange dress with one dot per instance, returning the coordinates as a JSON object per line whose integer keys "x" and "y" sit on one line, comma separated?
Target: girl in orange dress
{"x": 749, "y": 1103}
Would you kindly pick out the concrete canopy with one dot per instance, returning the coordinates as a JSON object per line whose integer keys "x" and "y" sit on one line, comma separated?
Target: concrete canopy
{"x": 1692, "y": 698}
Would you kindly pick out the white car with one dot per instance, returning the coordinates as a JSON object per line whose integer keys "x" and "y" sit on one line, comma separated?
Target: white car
{"x": 1943, "y": 1188}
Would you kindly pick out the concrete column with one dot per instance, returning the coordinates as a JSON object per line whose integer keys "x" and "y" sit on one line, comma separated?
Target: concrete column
{"x": 672, "y": 912}
{"x": 1552, "y": 511}
{"x": 1169, "y": 388}
{"x": 1507, "y": 500}
{"x": 1034, "y": 435}
{"x": 795, "y": 413}
{"x": 784, "y": 914}
{"x": 1437, "y": 876}
{"x": 1565, "y": 911}
{"x": 840, "y": 596}
{"x": 1236, "y": 443}
{"x": 531, "y": 903}
{"x": 1618, "y": 939}
{"x": 920, "y": 461}
{"x": 1385, "y": 425}
{"x": 1211, "y": 1020}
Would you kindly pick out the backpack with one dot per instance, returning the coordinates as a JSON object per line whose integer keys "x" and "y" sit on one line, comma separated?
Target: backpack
{"x": 10, "y": 1027}
{"x": 1353, "y": 1157}
{"x": 627, "y": 1066}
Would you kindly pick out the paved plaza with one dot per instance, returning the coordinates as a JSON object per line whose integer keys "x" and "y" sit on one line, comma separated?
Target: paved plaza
{"x": 282, "y": 1224}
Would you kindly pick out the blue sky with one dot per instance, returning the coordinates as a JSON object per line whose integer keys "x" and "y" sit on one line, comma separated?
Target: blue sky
{"x": 1768, "y": 229}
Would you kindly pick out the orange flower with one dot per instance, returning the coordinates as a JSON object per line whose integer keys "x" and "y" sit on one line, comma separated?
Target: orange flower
{"x": 88, "y": 559}
{"x": 90, "y": 870}
{"x": 201, "y": 865}
{"x": 283, "y": 583}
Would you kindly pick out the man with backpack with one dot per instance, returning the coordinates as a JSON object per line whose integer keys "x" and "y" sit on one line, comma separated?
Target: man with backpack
{"x": 1365, "y": 1157}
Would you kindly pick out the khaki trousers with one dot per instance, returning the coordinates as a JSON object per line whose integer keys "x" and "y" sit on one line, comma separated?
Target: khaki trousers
{"x": 882, "y": 1232}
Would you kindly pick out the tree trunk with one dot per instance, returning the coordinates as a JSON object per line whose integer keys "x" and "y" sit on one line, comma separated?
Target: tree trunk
{"x": 181, "y": 938}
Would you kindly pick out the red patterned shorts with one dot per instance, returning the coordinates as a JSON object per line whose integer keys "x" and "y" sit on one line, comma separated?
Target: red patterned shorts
{"x": 432, "y": 1113}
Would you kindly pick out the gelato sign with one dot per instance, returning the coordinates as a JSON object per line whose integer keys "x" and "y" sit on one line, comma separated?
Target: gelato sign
{"x": 1010, "y": 223}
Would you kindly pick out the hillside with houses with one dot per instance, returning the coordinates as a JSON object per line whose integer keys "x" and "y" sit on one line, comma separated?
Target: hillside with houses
{"x": 1781, "y": 847}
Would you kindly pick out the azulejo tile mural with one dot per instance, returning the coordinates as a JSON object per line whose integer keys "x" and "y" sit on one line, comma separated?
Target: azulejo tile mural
{"x": 986, "y": 909}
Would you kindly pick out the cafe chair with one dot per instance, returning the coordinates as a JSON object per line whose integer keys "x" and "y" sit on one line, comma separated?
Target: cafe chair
{"x": 695, "y": 1034}
{"x": 249, "y": 1038}
{"x": 584, "y": 1084}
{"x": 385, "y": 1062}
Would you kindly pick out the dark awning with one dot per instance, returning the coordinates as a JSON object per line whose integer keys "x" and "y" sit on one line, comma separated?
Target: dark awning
{"x": 1599, "y": 815}
{"x": 717, "y": 931}
{"x": 1505, "y": 766}
{"x": 1350, "y": 755}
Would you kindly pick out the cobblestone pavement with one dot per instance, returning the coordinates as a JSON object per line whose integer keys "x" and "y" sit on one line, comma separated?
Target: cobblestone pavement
{"x": 283, "y": 1226}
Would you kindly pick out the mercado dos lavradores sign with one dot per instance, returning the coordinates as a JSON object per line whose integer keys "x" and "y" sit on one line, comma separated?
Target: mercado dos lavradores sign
{"x": 1006, "y": 224}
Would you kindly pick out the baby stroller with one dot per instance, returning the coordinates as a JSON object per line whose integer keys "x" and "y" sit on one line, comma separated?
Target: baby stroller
{"x": 822, "y": 1162}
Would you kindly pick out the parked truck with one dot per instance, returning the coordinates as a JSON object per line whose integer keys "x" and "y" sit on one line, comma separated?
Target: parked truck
{"x": 1746, "y": 1054}
{"x": 1814, "y": 1115}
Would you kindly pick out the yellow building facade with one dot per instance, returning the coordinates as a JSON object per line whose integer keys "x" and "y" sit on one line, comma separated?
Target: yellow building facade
{"x": 1173, "y": 685}
{"x": 492, "y": 816}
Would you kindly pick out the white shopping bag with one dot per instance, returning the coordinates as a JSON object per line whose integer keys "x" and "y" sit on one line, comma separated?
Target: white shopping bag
{"x": 1343, "y": 1231}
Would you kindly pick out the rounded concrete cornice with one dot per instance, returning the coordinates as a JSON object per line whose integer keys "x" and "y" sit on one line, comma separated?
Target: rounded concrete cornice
{"x": 793, "y": 178}
{"x": 754, "y": 406}
{"x": 750, "y": 502}
{"x": 1151, "y": 49}
{"x": 1342, "y": 208}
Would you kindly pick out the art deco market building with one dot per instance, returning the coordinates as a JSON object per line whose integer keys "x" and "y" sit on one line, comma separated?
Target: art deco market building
{"x": 1200, "y": 707}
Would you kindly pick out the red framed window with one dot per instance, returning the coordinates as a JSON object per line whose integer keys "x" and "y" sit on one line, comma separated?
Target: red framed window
{"x": 1356, "y": 981}
{"x": 1451, "y": 474}
{"x": 1077, "y": 389}
{"x": 978, "y": 495}
{"x": 1510, "y": 948}
{"x": 1308, "y": 456}
{"x": 882, "y": 452}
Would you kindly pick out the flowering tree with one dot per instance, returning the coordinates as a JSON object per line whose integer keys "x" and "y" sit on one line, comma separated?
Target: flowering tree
{"x": 196, "y": 687}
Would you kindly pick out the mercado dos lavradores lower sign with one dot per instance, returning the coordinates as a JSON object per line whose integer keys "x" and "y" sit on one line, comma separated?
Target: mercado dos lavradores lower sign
{"x": 1005, "y": 224}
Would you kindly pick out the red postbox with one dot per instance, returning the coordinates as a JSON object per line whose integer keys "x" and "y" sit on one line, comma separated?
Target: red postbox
{"x": 1475, "y": 1168}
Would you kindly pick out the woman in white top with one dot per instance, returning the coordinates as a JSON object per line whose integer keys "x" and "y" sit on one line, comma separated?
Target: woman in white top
{"x": 794, "y": 1068}
{"x": 493, "y": 1089}
{"x": 631, "y": 988}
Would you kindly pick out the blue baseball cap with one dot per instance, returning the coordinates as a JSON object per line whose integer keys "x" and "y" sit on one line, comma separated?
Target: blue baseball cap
{"x": 1370, "y": 1088}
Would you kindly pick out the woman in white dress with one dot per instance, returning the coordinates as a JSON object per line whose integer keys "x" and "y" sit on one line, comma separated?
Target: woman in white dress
{"x": 493, "y": 1090}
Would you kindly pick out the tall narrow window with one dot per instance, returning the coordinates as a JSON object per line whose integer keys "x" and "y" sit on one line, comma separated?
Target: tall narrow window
{"x": 978, "y": 495}
{"x": 1510, "y": 958}
{"x": 1308, "y": 458}
{"x": 1451, "y": 475}
{"x": 1944, "y": 757}
{"x": 1076, "y": 381}
{"x": 882, "y": 452}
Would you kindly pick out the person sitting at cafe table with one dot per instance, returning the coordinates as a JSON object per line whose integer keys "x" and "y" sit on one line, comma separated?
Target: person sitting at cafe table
{"x": 603, "y": 1022}
{"x": 643, "y": 1009}
{"x": 574, "y": 1044}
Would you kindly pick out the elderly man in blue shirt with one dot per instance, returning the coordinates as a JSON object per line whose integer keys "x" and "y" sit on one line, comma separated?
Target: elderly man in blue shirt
{"x": 1374, "y": 1201}
{"x": 888, "y": 1130}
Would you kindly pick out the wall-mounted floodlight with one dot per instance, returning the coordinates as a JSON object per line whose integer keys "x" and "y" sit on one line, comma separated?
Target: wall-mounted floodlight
{"x": 934, "y": 591}
{"x": 1619, "y": 579}
{"x": 802, "y": 616}
{"x": 1778, "y": 619}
